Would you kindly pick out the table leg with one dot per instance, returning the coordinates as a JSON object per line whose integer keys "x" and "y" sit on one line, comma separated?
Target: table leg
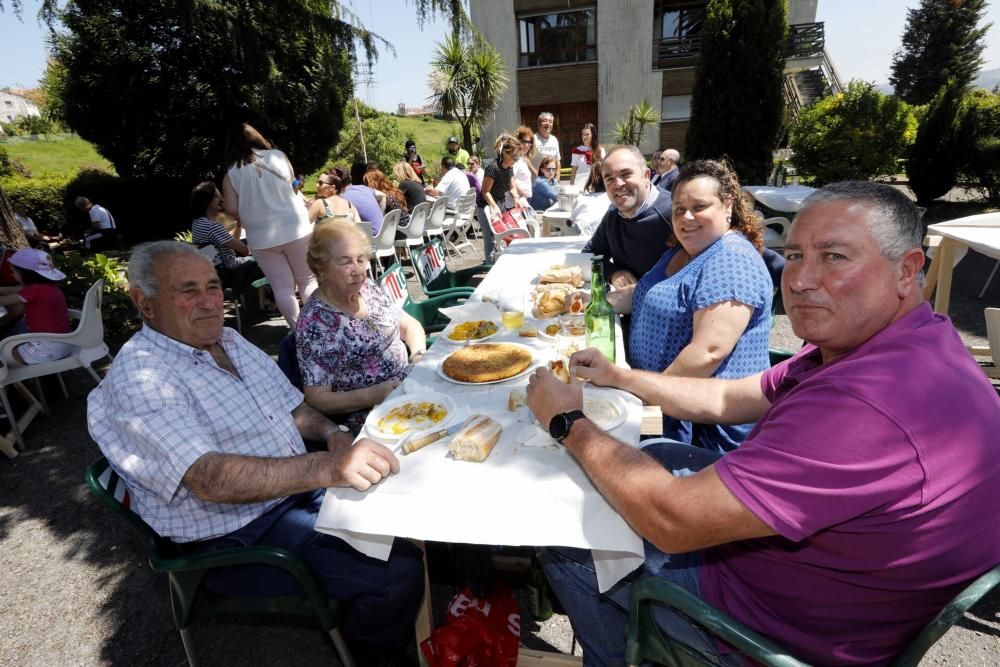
{"x": 946, "y": 254}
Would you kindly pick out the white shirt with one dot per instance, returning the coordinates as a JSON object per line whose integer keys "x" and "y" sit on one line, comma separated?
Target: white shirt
{"x": 545, "y": 147}
{"x": 588, "y": 211}
{"x": 522, "y": 181}
{"x": 27, "y": 224}
{"x": 165, "y": 404}
{"x": 270, "y": 210}
{"x": 453, "y": 185}
{"x": 101, "y": 217}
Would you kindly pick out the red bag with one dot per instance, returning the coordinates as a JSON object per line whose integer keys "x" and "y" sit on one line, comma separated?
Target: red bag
{"x": 6, "y": 275}
{"x": 477, "y": 633}
{"x": 511, "y": 219}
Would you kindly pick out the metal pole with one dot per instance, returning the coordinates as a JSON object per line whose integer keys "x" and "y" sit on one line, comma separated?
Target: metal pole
{"x": 361, "y": 132}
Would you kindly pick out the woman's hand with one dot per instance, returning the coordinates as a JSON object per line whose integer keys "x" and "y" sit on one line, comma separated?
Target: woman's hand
{"x": 495, "y": 212}
{"x": 621, "y": 300}
{"x": 622, "y": 279}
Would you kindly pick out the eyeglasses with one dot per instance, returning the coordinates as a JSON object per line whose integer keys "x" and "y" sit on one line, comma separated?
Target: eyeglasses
{"x": 527, "y": 141}
{"x": 548, "y": 169}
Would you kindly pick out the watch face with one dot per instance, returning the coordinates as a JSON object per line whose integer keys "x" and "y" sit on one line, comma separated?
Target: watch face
{"x": 558, "y": 427}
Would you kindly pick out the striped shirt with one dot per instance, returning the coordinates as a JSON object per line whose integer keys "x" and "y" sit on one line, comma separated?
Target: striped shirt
{"x": 205, "y": 231}
{"x": 165, "y": 404}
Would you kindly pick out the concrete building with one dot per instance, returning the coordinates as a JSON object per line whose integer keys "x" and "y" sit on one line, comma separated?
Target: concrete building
{"x": 13, "y": 105}
{"x": 590, "y": 60}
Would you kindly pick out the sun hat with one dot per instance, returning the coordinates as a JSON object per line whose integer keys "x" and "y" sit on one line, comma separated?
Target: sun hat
{"x": 37, "y": 261}
{"x": 452, "y": 140}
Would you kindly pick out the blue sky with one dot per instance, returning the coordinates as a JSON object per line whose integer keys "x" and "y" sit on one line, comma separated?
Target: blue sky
{"x": 861, "y": 37}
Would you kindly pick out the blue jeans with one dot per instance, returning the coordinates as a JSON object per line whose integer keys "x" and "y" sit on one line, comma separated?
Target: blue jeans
{"x": 599, "y": 618}
{"x": 382, "y": 597}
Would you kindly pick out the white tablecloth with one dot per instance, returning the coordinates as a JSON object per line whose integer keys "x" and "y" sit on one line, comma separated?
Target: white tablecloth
{"x": 521, "y": 494}
{"x": 979, "y": 232}
{"x": 786, "y": 199}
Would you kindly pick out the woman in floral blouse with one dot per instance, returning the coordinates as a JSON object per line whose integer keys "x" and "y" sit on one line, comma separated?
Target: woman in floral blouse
{"x": 354, "y": 346}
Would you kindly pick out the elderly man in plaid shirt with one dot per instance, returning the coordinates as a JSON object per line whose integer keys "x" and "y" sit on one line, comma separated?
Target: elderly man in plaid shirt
{"x": 208, "y": 434}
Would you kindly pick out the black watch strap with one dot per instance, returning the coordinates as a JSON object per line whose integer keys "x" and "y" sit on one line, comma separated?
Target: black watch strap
{"x": 560, "y": 425}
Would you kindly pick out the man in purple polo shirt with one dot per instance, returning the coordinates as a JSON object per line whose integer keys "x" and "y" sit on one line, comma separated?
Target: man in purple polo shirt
{"x": 865, "y": 497}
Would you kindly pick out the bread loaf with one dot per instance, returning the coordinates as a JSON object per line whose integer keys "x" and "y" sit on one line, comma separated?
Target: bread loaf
{"x": 561, "y": 273}
{"x": 476, "y": 439}
{"x": 558, "y": 368}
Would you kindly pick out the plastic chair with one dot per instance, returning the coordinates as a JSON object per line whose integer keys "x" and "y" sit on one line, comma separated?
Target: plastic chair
{"x": 645, "y": 641}
{"x": 415, "y": 230}
{"x": 435, "y": 219}
{"x": 776, "y": 232}
{"x": 457, "y": 226}
{"x": 434, "y": 275}
{"x": 384, "y": 243}
{"x": 427, "y": 312}
{"x": 88, "y": 339}
{"x": 188, "y": 598}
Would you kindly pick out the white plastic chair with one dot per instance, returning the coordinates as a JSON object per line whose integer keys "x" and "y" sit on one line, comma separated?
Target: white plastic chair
{"x": 88, "y": 339}
{"x": 415, "y": 230}
{"x": 993, "y": 335}
{"x": 384, "y": 243}
{"x": 776, "y": 232}
{"x": 458, "y": 225}
{"x": 435, "y": 219}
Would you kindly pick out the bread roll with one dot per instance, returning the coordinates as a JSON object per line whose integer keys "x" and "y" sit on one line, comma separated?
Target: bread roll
{"x": 559, "y": 369}
{"x": 516, "y": 399}
{"x": 476, "y": 439}
{"x": 561, "y": 273}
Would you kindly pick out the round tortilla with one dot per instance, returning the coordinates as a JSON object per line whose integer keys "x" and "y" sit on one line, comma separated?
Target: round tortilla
{"x": 486, "y": 362}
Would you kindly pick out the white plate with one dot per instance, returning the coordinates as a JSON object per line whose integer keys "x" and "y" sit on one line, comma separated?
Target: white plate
{"x": 381, "y": 410}
{"x": 607, "y": 396}
{"x": 451, "y": 327}
{"x": 541, "y": 328}
{"x": 531, "y": 367}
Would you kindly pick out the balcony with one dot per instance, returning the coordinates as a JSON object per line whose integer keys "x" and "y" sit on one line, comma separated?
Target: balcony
{"x": 805, "y": 42}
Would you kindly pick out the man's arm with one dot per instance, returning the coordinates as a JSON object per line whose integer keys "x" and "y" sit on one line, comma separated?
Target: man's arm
{"x": 677, "y": 514}
{"x": 702, "y": 400}
{"x": 314, "y": 425}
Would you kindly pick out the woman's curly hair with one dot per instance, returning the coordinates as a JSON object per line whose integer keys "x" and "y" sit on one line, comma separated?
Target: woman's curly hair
{"x": 727, "y": 185}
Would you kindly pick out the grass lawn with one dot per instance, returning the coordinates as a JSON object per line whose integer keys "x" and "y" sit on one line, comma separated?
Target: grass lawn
{"x": 431, "y": 135}
{"x": 59, "y": 155}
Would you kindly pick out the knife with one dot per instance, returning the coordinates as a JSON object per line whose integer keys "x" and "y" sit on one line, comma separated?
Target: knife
{"x": 410, "y": 444}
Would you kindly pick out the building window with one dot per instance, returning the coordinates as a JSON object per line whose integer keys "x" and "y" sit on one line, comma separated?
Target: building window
{"x": 553, "y": 39}
{"x": 675, "y": 107}
{"x": 677, "y": 28}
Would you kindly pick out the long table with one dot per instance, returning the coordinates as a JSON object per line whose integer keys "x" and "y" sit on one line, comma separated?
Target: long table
{"x": 521, "y": 494}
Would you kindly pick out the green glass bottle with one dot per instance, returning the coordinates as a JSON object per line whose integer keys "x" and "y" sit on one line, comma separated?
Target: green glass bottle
{"x": 599, "y": 318}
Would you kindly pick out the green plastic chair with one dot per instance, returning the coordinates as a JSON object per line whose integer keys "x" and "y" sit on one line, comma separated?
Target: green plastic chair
{"x": 188, "y": 598}
{"x": 434, "y": 275}
{"x": 645, "y": 641}
{"x": 427, "y": 312}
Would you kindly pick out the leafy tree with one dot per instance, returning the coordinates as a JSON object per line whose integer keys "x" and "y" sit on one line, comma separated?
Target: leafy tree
{"x": 629, "y": 129}
{"x": 983, "y": 122}
{"x": 383, "y": 139}
{"x": 940, "y": 42}
{"x": 467, "y": 79}
{"x": 941, "y": 147}
{"x": 855, "y": 135}
{"x": 737, "y": 105}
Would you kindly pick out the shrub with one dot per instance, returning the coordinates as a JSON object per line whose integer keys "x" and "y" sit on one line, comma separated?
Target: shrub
{"x": 383, "y": 139}
{"x": 119, "y": 314}
{"x": 941, "y": 147}
{"x": 855, "y": 135}
{"x": 983, "y": 136}
{"x": 43, "y": 197}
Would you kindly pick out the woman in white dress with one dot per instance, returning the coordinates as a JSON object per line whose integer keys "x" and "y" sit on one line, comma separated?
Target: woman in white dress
{"x": 584, "y": 156}
{"x": 524, "y": 174}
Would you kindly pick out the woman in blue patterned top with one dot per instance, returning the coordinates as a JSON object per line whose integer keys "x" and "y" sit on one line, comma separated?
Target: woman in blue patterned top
{"x": 704, "y": 309}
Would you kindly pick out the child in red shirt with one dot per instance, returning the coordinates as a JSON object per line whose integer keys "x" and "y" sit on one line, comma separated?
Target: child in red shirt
{"x": 42, "y": 303}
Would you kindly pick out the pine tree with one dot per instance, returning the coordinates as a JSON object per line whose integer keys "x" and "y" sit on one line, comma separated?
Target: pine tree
{"x": 940, "y": 42}
{"x": 737, "y": 105}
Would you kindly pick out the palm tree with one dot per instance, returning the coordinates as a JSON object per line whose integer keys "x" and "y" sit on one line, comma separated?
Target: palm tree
{"x": 629, "y": 129}
{"x": 467, "y": 79}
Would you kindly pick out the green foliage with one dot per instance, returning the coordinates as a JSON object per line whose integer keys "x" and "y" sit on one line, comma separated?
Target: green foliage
{"x": 35, "y": 125}
{"x": 855, "y": 135}
{"x": 737, "y": 103}
{"x": 940, "y": 43}
{"x": 5, "y": 167}
{"x": 941, "y": 146}
{"x": 629, "y": 129}
{"x": 155, "y": 85}
{"x": 43, "y": 196}
{"x": 120, "y": 317}
{"x": 383, "y": 140}
{"x": 184, "y": 236}
{"x": 983, "y": 136}
{"x": 467, "y": 80}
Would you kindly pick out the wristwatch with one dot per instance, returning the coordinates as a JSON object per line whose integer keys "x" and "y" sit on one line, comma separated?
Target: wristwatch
{"x": 561, "y": 423}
